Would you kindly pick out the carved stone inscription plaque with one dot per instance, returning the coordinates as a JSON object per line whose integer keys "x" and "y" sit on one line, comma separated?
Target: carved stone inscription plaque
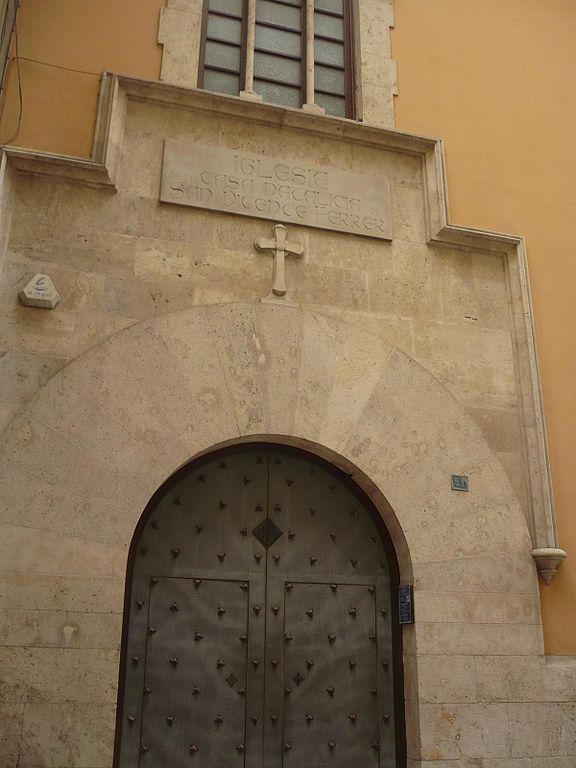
{"x": 274, "y": 188}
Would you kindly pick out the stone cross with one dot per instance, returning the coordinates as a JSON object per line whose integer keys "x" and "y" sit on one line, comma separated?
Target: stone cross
{"x": 279, "y": 247}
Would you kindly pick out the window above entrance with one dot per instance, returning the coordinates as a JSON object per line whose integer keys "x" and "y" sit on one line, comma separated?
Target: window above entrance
{"x": 295, "y": 53}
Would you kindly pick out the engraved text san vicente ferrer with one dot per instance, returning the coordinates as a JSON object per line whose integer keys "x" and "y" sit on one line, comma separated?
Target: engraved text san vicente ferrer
{"x": 278, "y": 189}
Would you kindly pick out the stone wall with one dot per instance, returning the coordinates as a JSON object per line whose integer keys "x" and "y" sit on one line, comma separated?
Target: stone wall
{"x": 400, "y": 364}
{"x": 119, "y": 257}
{"x": 125, "y": 414}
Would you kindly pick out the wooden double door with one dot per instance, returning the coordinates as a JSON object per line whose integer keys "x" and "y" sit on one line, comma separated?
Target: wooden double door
{"x": 258, "y": 628}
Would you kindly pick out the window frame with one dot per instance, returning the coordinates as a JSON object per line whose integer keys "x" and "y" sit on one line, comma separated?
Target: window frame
{"x": 348, "y": 68}
{"x": 301, "y": 59}
{"x": 205, "y": 39}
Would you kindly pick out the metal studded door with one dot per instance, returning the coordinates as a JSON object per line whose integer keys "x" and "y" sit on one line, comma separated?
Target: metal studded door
{"x": 258, "y": 628}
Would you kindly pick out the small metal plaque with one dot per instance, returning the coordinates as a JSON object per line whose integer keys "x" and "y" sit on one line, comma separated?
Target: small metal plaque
{"x": 459, "y": 483}
{"x": 405, "y": 604}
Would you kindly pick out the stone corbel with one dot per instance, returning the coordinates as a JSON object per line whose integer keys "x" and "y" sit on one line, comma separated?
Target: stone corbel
{"x": 547, "y": 560}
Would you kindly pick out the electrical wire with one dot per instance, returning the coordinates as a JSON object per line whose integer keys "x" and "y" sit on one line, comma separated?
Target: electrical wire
{"x": 4, "y": 31}
{"x": 20, "y": 98}
{"x": 17, "y": 59}
{"x": 59, "y": 66}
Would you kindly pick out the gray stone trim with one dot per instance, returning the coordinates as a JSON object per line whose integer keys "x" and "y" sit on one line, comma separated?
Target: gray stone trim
{"x": 179, "y": 33}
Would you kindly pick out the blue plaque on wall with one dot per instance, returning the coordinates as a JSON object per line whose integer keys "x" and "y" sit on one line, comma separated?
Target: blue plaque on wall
{"x": 459, "y": 483}
{"x": 405, "y": 604}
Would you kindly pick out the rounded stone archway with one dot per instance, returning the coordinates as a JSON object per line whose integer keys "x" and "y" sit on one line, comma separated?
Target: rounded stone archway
{"x": 82, "y": 460}
{"x": 263, "y": 580}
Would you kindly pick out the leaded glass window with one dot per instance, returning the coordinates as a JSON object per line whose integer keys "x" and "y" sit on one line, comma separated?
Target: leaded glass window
{"x": 296, "y": 53}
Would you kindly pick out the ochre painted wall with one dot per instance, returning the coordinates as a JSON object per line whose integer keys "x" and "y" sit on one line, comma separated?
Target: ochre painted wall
{"x": 495, "y": 80}
{"x": 59, "y": 105}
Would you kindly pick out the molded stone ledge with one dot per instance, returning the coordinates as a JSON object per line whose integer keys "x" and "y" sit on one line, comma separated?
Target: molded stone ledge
{"x": 547, "y": 561}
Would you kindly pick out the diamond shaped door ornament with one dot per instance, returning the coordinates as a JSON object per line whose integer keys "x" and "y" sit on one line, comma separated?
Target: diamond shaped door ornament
{"x": 298, "y": 679}
{"x": 267, "y": 532}
{"x": 40, "y": 291}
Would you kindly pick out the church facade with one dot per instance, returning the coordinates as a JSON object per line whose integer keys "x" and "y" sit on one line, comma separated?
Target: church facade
{"x": 275, "y": 475}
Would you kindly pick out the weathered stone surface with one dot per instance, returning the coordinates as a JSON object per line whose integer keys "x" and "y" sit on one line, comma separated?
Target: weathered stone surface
{"x": 233, "y": 334}
{"x": 525, "y": 679}
{"x": 77, "y": 593}
{"x": 540, "y": 730}
{"x": 70, "y": 734}
{"x": 8, "y": 411}
{"x": 11, "y": 716}
{"x": 530, "y": 762}
{"x": 22, "y": 375}
{"x": 478, "y": 608}
{"x": 464, "y": 731}
{"x": 179, "y": 33}
{"x": 86, "y": 676}
{"x": 44, "y": 628}
{"x": 480, "y": 639}
{"x": 33, "y": 550}
{"x": 449, "y": 679}
{"x": 279, "y": 365}
{"x": 486, "y": 573}
{"x": 464, "y": 763}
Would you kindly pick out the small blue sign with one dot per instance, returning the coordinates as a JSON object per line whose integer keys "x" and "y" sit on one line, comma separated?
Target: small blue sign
{"x": 459, "y": 483}
{"x": 405, "y": 604}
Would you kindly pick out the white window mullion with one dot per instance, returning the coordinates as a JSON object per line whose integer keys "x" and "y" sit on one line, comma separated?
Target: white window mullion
{"x": 248, "y": 91}
{"x": 310, "y": 105}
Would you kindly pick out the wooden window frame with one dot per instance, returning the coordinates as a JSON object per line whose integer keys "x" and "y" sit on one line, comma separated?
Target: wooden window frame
{"x": 204, "y": 39}
{"x": 348, "y": 66}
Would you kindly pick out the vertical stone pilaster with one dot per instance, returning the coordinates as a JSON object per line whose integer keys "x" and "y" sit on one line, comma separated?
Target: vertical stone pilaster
{"x": 179, "y": 33}
{"x": 376, "y": 74}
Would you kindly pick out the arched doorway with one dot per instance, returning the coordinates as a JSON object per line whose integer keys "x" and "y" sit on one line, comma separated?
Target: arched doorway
{"x": 260, "y": 621}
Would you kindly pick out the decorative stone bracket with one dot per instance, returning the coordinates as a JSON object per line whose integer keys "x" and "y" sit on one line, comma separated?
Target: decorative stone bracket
{"x": 547, "y": 561}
